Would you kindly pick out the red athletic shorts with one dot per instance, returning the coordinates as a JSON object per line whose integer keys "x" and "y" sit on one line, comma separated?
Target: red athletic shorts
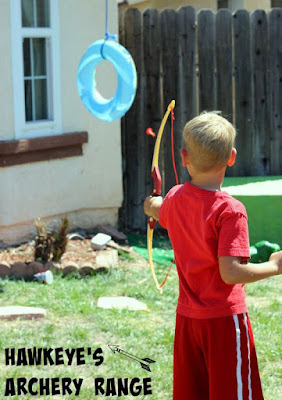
{"x": 215, "y": 359}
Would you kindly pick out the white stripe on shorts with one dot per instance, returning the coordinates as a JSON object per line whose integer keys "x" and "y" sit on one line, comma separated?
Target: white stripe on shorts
{"x": 249, "y": 358}
{"x": 239, "y": 359}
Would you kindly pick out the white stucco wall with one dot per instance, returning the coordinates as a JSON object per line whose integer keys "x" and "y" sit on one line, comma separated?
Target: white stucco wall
{"x": 6, "y": 93}
{"x": 234, "y": 5}
{"x": 89, "y": 187}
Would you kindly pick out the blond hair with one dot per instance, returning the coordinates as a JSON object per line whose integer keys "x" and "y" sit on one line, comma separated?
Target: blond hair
{"x": 208, "y": 140}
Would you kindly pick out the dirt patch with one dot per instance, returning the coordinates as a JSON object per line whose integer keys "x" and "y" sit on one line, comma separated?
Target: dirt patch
{"x": 77, "y": 251}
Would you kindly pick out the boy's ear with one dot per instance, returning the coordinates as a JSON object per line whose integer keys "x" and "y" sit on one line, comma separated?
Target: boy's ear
{"x": 184, "y": 157}
{"x": 232, "y": 158}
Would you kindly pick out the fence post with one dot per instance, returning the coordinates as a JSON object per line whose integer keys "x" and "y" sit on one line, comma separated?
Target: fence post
{"x": 134, "y": 140}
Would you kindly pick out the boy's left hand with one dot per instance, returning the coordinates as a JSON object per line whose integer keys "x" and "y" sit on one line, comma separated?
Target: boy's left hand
{"x": 152, "y": 205}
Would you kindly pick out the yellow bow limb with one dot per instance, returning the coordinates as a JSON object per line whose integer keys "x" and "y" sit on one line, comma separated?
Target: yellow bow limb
{"x": 155, "y": 173}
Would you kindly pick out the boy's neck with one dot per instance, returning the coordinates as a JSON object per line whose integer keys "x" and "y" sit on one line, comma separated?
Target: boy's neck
{"x": 208, "y": 181}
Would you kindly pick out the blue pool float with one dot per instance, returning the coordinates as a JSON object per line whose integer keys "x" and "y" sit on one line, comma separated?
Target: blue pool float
{"x": 114, "y": 108}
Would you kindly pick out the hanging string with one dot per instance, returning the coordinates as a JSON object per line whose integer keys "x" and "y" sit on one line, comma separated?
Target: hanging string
{"x": 107, "y": 33}
{"x": 172, "y": 147}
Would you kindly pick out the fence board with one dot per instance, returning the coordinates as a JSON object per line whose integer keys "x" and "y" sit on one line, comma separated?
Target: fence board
{"x": 169, "y": 41}
{"x": 275, "y": 93}
{"x": 186, "y": 22}
{"x": 152, "y": 96}
{"x": 223, "y": 48}
{"x": 134, "y": 177}
{"x": 243, "y": 94}
{"x": 206, "y": 46}
{"x": 224, "y": 67}
{"x": 259, "y": 55}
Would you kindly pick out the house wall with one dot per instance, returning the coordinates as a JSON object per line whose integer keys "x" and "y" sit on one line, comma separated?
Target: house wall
{"x": 6, "y": 93}
{"x": 251, "y": 5}
{"x": 161, "y": 4}
{"x": 88, "y": 188}
{"x": 234, "y": 5}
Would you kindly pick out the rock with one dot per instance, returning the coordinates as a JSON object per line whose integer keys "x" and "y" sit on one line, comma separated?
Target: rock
{"x": 73, "y": 267}
{"x": 36, "y": 266}
{"x": 18, "y": 270}
{"x": 114, "y": 233}
{"x": 87, "y": 269}
{"x": 107, "y": 258}
{"x": 121, "y": 302}
{"x": 13, "y": 312}
{"x": 53, "y": 266}
{"x": 5, "y": 269}
{"x": 28, "y": 272}
{"x": 99, "y": 241}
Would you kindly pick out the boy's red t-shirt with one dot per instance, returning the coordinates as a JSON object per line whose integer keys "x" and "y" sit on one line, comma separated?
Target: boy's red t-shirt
{"x": 202, "y": 226}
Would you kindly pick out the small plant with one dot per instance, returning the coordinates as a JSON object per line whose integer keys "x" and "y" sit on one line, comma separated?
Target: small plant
{"x": 50, "y": 245}
{"x": 43, "y": 242}
{"x": 60, "y": 239}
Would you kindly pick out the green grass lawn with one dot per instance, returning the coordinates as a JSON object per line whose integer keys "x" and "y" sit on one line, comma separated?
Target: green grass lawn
{"x": 74, "y": 321}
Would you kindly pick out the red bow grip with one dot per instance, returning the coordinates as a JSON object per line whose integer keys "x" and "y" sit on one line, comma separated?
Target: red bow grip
{"x": 155, "y": 174}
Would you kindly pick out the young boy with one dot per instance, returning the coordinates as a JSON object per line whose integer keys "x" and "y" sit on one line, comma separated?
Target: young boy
{"x": 214, "y": 353}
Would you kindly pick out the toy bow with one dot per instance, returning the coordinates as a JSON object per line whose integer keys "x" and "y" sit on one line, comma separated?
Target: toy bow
{"x": 155, "y": 173}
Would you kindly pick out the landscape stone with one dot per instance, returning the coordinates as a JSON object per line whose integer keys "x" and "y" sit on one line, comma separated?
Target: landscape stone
{"x": 121, "y": 302}
{"x": 13, "y": 312}
{"x": 70, "y": 268}
{"x": 86, "y": 269}
{"x": 99, "y": 241}
{"x": 53, "y": 266}
{"x": 36, "y": 267}
{"x": 114, "y": 233}
{"x": 18, "y": 270}
{"x": 28, "y": 272}
{"x": 5, "y": 269}
{"x": 107, "y": 258}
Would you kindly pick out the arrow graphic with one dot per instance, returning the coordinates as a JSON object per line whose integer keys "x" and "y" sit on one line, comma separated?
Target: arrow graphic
{"x": 143, "y": 361}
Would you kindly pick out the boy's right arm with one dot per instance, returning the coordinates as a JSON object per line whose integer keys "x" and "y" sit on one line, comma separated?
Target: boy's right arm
{"x": 232, "y": 272}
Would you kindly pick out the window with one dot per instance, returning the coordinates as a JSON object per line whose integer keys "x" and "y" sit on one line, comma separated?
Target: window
{"x": 276, "y": 3}
{"x": 35, "y": 57}
{"x": 232, "y": 5}
{"x": 222, "y": 4}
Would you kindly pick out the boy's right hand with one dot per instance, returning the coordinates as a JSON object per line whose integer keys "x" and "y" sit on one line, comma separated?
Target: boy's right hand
{"x": 277, "y": 259}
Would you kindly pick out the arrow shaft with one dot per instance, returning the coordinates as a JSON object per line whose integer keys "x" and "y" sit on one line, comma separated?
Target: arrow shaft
{"x": 131, "y": 356}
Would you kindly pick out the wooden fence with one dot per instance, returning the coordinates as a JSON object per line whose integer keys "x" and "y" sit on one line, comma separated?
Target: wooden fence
{"x": 231, "y": 63}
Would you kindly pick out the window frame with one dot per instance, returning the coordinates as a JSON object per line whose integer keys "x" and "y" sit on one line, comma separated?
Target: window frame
{"x": 53, "y": 125}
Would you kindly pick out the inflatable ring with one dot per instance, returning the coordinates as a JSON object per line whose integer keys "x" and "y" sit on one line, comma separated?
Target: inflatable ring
{"x": 117, "y": 106}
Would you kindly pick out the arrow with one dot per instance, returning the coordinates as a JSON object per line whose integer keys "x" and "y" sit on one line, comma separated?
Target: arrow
{"x": 143, "y": 361}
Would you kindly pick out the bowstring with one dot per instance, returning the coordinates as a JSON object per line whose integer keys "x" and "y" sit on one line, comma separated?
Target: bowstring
{"x": 176, "y": 180}
{"x": 172, "y": 147}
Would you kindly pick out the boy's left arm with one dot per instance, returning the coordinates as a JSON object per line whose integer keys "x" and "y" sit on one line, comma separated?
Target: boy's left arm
{"x": 232, "y": 271}
{"x": 152, "y": 205}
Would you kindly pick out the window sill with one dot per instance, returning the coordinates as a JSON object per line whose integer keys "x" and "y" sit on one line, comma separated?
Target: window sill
{"x": 24, "y": 151}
